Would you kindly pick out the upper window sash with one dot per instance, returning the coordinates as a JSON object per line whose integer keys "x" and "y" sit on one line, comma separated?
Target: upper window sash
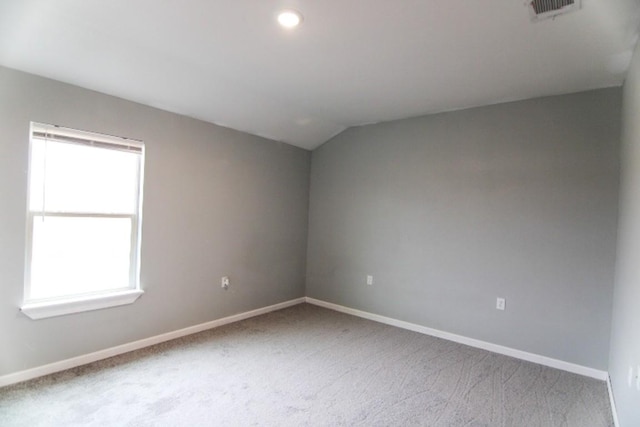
{"x": 77, "y": 171}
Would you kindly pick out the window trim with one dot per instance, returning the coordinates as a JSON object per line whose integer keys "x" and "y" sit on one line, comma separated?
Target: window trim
{"x": 78, "y": 304}
{"x": 68, "y": 304}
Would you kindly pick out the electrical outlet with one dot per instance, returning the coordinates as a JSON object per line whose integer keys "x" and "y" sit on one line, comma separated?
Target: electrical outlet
{"x": 501, "y": 304}
{"x": 224, "y": 282}
{"x": 369, "y": 280}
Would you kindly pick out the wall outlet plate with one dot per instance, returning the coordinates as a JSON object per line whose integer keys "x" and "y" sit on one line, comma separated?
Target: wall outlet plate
{"x": 369, "y": 280}
{"x": 501, "y": 304}
{"x": 224, "y": 282}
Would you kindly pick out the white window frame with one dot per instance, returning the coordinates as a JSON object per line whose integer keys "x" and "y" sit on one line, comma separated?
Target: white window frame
{"x": 57, "y": 306}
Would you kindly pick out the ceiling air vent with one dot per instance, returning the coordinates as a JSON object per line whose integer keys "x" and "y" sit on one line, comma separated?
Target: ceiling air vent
{"x": 542, "y": 9}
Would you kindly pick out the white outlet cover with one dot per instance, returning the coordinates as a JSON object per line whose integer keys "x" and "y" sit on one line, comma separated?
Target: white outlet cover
{"x": 501, "y": 304}
{"x": 369, "y": 280}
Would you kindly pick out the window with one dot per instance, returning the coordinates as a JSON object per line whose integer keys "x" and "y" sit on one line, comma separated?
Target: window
{"x": 83, "y": 221}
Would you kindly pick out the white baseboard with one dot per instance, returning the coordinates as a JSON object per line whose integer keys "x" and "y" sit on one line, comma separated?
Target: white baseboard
{"x": 612, "y": 401}
{"x": 507, "y": 351}
{"x": 136, "y": 345}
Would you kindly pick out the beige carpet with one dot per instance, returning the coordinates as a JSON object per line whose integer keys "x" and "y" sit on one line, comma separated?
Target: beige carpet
{"x": 308, "y": 366}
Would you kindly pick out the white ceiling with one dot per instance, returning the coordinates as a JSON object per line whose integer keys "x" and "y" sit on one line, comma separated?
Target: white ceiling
{"x": 351, "y": 62}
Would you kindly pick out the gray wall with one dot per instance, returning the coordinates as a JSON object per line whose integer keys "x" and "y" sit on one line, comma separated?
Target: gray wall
{"x": 216, "y": 202}
{"x": 625, "y": 333}
{"x": 450, "y": 211}
{"x": 447, "y": 212}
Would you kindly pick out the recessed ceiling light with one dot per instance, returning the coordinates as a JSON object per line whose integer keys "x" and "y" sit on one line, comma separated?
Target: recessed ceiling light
{"x": 289, "y": 18}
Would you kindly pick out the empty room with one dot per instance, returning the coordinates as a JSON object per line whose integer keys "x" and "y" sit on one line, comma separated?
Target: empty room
{"x": 295, "y": 213}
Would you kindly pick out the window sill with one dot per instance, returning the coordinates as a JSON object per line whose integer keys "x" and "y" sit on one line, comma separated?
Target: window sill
{"x": 42, "y": 310}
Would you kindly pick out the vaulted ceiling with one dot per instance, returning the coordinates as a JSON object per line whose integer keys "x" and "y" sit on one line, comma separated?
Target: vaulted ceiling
{"x": 351, "y": 62}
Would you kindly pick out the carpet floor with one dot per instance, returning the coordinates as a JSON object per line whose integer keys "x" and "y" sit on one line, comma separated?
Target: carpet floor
{"x": 308, "y": 366}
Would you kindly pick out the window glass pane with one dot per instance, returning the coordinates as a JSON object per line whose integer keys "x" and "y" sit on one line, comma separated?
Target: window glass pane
{"x": 77, "y": 178}
{"x": 72, "y": 255}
